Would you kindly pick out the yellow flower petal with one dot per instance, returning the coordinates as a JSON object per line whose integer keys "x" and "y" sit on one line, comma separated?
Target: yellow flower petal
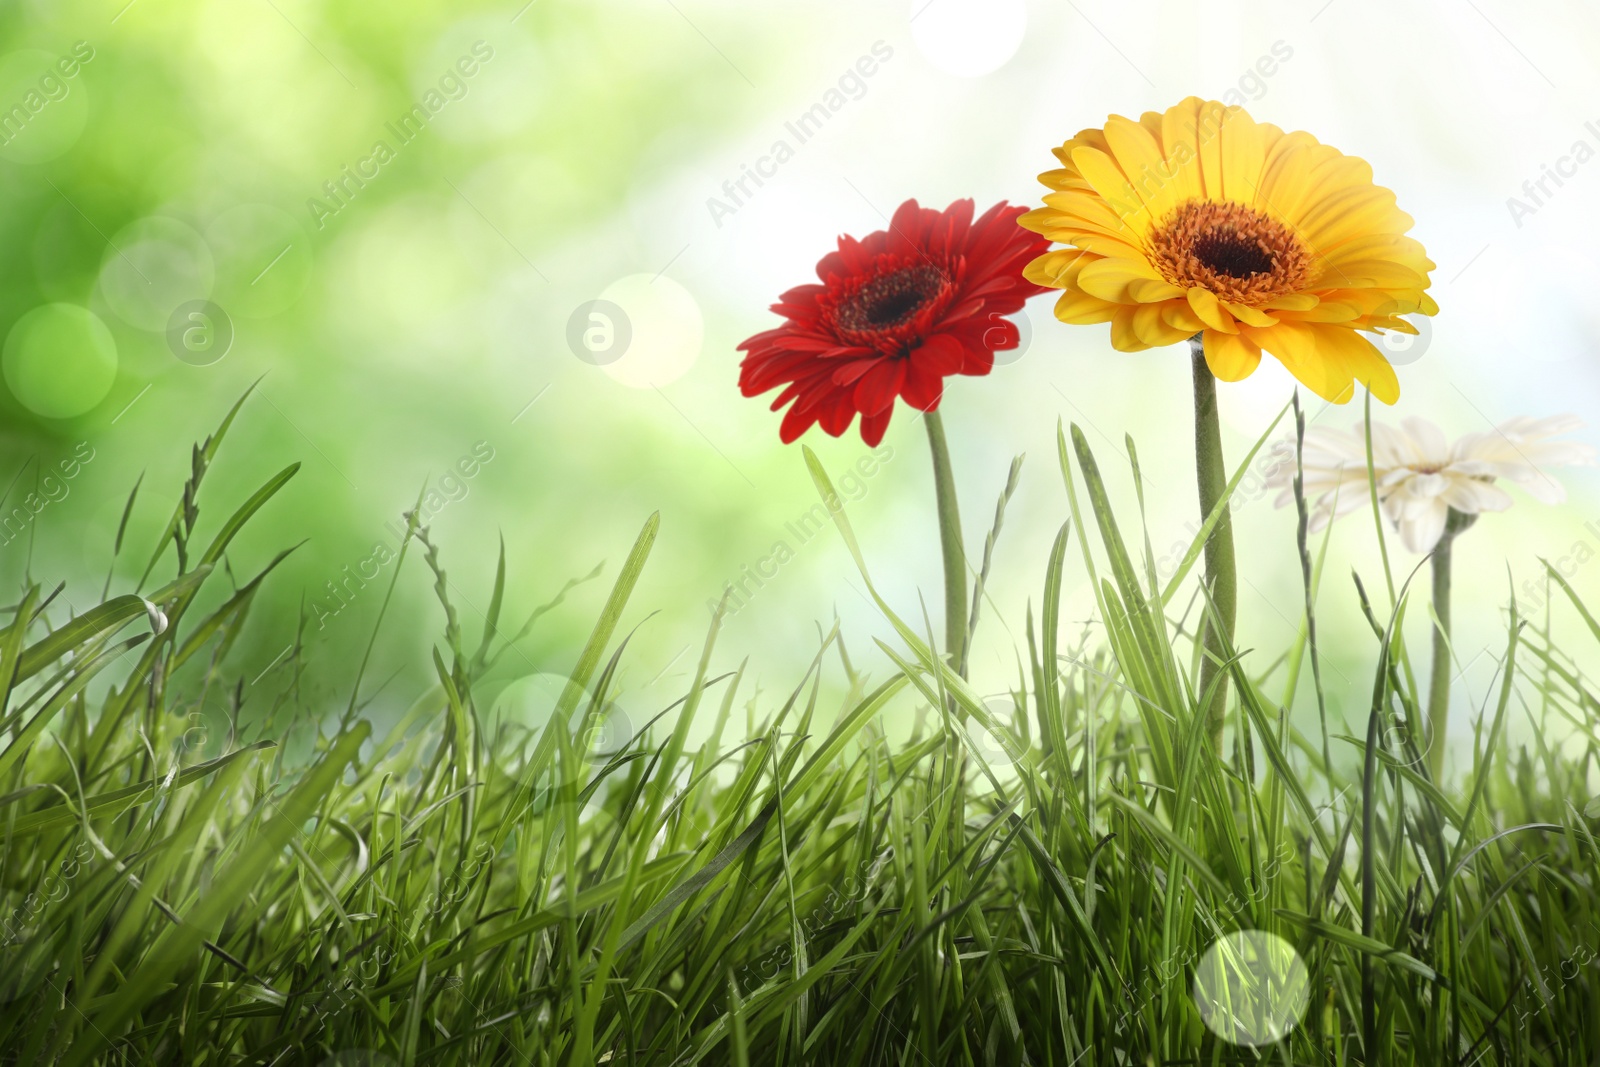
{"x": 1286, "y": 175}
{"x": 1248, "y": 315}
{"x": 1293, "y": 302}
{"x": 1209, "y": 309}
{"x": 1373, "y": 274}
{"x": 1081, "y": 309}
{"x": 1295, "y": 346}
{"x": 1124, "y": 338}
{"x": 1230, "y": 357}
{"x": 1057, "y": 269}
{"x": 1109, "y": 278}
{"x": 1139, "y": 155}
{"x": 1326, "y": 311}
{"x": 1153, "y": 330}
{"x": 1200, "y": 220}
{"x": 1208, "y": 142}
{"x": 1361, "y": 360}
{"x": 1336, "y": 230}
{"x": 1112, "y": 185}
{"x": 1179, "y": 129}
{"x": 1151, "y": 291}
{"x": 1242, "y": 156}
{"x": 1179, "y": 315}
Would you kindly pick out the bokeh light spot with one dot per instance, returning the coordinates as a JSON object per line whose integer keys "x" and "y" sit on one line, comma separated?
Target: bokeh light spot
{"x": 1251, "y": 988}
{"x": 968, "y": 38}
{"x": 151, "y": 267}
{"x": 666, "y": 329}
{"x": 60, "y": 360}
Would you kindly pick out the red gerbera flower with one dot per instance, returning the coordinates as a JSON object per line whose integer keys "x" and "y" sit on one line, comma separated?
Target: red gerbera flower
{"x": 895, "y": 314}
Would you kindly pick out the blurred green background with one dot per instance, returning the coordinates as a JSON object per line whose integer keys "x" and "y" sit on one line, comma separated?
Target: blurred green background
{"x": 397, "y": 217}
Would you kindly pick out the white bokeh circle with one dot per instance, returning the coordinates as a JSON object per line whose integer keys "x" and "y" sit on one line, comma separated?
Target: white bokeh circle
{"x": 527, "y": 703}
{"x": 520, "y": 713}
{"x": 153, "y": 265}
{"x": 60, "y": 360}
{"x": 999, "y": 749}
{"x": 1252, "y": 988}
{"x": 968, "y": 38}
{"x": 666, "y": 329}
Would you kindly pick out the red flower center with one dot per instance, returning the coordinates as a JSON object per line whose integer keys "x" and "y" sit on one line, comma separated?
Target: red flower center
{"x": 882, "y": 311}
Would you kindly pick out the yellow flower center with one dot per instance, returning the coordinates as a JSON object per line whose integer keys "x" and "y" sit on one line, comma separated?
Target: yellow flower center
{"x": 1234, "y": 251}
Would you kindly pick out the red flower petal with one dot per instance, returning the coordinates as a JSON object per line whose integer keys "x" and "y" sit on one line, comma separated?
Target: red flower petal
{"x": 878, "y": 387}
{"x": 896, "y": 313}
{"x": 872, "y": 426}
{"x": 923, "y": 388}
{"x": 940, "y": 355}
{"x": 848, "y": 373}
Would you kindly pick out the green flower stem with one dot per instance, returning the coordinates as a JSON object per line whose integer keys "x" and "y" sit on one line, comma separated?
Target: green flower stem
{"x": 1439, "y": 684}
{"x": 1216, "y": 627}
{"x": 955, "y": 557}
{"x": 1439, "y": 681}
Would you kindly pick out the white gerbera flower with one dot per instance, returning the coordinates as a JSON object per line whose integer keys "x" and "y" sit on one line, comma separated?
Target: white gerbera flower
{"x": 1421, "y": 476}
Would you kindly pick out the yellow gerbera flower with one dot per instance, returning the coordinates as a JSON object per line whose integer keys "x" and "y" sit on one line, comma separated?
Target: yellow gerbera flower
{"x": 1203, "y": 221}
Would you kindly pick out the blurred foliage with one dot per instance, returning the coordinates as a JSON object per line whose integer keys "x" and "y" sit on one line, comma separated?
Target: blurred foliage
{"x": 397, "y": 323}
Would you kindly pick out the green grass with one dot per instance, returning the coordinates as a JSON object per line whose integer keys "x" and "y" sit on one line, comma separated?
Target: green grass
{"x": 783, "y": 884}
